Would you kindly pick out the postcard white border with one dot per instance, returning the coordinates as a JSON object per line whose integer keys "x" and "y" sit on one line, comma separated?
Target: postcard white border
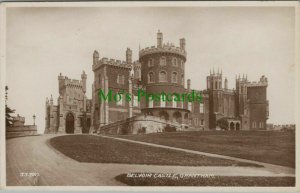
{"x": 4, "y": 6}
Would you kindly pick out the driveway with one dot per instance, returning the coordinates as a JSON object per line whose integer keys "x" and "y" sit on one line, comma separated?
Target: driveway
{"x": 33, "y": 155}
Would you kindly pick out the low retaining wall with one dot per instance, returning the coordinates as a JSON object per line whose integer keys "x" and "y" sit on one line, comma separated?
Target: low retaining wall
{"x": 138, "y": 125}
{"x": 21, "y": 131}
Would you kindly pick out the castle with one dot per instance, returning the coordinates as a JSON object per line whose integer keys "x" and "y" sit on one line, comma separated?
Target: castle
{"x": 72, "y": 114}
{"x": 160, "y": 68}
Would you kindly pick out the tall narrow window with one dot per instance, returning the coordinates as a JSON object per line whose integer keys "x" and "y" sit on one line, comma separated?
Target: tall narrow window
{"x": 196, "y": 121}
{"x": 174, "y": 62}
{"x": 202, "y": 121}
{"x": 182, "y": 79}
{"x": 163, "y": 76}
{"x": 201, "y": 108}
{"x": 182, "y": 64}
{"x": 150, "y": 77}
{"x": 162, "y": 103}
{"x": 254, "y": 124}
{"x": 150, "y": 104}
{"x": 163, "y": 61}
{"x": 181, "y": 104}
{"x": 135, "y": 101}
{"x": 150, "y": 62}
{"x": 189, "y": 106}
{"x": 174, "y": 103}
{"x": 174, "y": 77}
{"x": 120, "y": 79}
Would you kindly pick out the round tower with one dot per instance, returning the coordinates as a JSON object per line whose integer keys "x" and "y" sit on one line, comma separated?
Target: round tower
{"x": 162, "y": 70}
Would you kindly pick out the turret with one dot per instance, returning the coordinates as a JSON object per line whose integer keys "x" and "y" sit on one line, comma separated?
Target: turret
{"x": 47, "y": 101}
{"x": 51, "y": 100}
{"x": 128, "y": 56}
{"x": 182, "y": 43}
{"x": 83, "y": 78}
{"x": 95, "y": 57}
{"x": 214, "y": 80}
{"x": 159, "y": 39}
{"x": 188, "y": 84}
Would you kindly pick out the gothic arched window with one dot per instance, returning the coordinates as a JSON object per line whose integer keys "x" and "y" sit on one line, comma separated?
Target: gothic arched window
{"x": 174, "y": 77}
{"x": 150, "y": 77}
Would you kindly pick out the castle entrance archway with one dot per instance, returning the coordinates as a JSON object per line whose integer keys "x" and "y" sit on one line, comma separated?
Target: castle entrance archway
{"x": 232, "y": 126}
{"x": 70, "y": 123}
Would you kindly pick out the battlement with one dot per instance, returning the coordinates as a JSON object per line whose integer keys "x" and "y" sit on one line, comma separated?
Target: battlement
{"x": 229, "y": 91}
{"x": 165, "y": 48}
{"x": 112, "y": 62}
{"x": 263, "y": 81}
{"x": 136, "y": 65}
{"x": 253, "y": 84}
{"x": 72, "y": 82}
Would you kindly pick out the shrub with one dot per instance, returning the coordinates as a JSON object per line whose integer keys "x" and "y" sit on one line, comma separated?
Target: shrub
{"x": 169, "y": 128}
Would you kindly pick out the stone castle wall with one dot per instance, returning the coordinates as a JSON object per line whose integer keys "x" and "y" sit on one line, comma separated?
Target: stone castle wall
{"x": 21, "y": 131}
{"x": 138, "y": 125}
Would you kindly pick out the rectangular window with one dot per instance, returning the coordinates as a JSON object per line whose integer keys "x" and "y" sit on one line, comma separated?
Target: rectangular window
{"x": 201, "y": 108}
{"x": 174, "y": 104}
{"x": 121, "y": 79}
{"x": 202, "y": 121}
{"x": 189, "y": 106}
{"x": 135, "y": 101}
{"x": 174, "y": 61}
{"x": 150, "y": 104}
{"x": 254, "y": 124}
{"x": 196, "y": 121}
{"x": 182, "y": 64}
{"x": 163, "y": 61}
{"x": 162, "y": 103}
{"x": 150, "y": 62}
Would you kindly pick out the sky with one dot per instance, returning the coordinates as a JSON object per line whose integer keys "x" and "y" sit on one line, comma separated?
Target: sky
{"x": 42, "y": 42}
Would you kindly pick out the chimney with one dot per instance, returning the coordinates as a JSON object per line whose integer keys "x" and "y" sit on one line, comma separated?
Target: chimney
{"x": 128, "y": 56}
{"x": 182, "y": 43}
{"x": 226, "y": 84}
{"x": 189, "y": 84}
{"x": 159, "y": 39}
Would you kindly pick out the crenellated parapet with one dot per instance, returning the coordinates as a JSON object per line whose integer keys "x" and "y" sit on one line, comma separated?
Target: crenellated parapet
{"x": 66, "y": 82}
{"x": 166, "y": 48}
{"x": 262, "y": 82}
{"x": 111, "y": 62}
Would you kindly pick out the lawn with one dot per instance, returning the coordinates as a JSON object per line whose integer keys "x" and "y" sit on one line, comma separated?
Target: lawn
{"x": 96, "y": 149}
{"x": 152, "y": 179}
{"x": 265, "y": 146}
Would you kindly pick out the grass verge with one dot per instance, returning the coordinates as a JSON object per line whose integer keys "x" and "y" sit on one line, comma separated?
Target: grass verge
{"x": 266, "y": 146}
{"x": 95, "y": 149}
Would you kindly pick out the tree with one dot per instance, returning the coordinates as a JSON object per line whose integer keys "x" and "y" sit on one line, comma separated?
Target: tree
{"x": 8, "y": 111}
{"x": 223, "y": 123}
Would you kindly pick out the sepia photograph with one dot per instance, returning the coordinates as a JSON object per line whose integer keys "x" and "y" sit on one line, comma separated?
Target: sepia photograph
{"x": 166, "y": 95}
